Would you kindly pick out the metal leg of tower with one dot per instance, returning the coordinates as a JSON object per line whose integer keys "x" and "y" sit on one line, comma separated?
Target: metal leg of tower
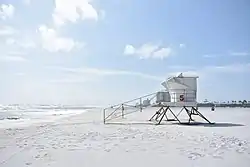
{"x": 189, "y": 113}
{"x": 176, "y": 118}
{"x": 163, "y": 114}
{"x": 179, "y": 112}
{"x": 202, "y": 116}
{"x": 160, "y": 113}
{"x": 157, "y": 113}
{"x": 166, "y": 117}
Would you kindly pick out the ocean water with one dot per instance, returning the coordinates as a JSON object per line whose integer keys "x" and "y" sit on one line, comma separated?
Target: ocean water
{"x": 14, "y": 116}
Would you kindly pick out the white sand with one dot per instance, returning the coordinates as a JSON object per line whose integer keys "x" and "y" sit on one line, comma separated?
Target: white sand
{"x": 83, "y": 140}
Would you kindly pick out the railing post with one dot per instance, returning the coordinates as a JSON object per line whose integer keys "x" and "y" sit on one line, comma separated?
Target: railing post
{"x": 122, "y": 111}
{"x": 140, "y": 105}
{"x": 104, "y": 119}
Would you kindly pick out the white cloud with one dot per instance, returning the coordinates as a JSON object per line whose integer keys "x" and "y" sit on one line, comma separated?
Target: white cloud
{"x": 185, "y": 73}
{"x": 148, "y": 51}
{"x": 12, "y": 59}
{"x": 239, "y": 53}
{"x": 231, "y": 68}
{"x": 182, "y": 45}
{"x": 183, "y": 67}
{"x": 10, "y": 41}
{"x": 210, "y": 55}
{"x": 20, "y": 74}
{"x": 53, "y": 43}
{"x": 6, "y": 11}
{"x": 68, "y": 80}
{"x": 129, "y": 50}
{"x": 17, "y": 53}
{"x": 73, "y": 10}
{"x": 213, "y": 70}
{"x": 7, "y": 30}
{"x": 27, "y": 2}
{"x": 162, "y": 53}
{"x": 102, "y": 14}
{"x": 106, "y": 72}
{"x": 28, "y": 44}
{"x": 23, "y": 43}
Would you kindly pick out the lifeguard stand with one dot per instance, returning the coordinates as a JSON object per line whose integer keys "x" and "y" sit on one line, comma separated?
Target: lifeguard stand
{"x": 183, "y": 94}
{"x": 180, "y": 92}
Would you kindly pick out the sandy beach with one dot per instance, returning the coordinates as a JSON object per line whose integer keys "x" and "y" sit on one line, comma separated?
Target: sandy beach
{"x": 83, "y": 140}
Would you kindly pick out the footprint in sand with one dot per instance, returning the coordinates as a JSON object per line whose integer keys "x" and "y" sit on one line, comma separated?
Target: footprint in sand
{"x": 28, "y": 163}
{"x": 2, "y": 147}
{"x": 194, "y": 155}
{"x": 107, "y": 150}
{"x": 37, "y": 156}
{"x": 241, "y": 150}
{"x": 217, "y": 157}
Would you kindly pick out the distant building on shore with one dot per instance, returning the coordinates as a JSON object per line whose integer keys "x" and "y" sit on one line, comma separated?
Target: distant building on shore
{"x": 244, "y": 103}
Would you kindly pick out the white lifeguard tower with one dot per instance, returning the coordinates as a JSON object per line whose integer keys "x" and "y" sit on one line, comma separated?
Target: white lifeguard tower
{"x": 183, "y": 93}
{"x": 182, "y": 89}
{"x": 179, "y": 91}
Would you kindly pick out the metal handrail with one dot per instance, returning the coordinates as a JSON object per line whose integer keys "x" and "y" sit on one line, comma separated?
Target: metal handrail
{"x": 112, "y": 112}
{"x": 130, "y": 100}
{"x": 121, "y": 115}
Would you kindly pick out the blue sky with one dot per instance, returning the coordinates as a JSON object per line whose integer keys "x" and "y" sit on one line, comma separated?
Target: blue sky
{"x": 105, "y": 51}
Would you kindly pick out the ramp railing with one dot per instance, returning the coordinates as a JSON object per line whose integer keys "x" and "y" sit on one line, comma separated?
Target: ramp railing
{"x": 128, "y": 107}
